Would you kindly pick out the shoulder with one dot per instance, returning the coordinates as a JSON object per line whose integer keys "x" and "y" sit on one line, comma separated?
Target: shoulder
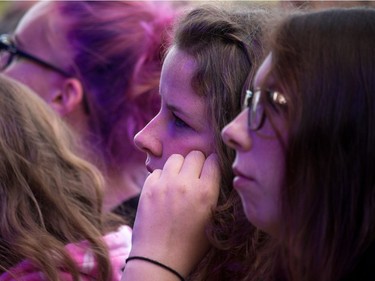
{"x": 119, "y": 245}
{"x": 119, "y": 239}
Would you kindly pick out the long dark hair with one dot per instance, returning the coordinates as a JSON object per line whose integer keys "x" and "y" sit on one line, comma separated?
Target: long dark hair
{"x": 227, "y": 47}
{"x": 324, "y": 64}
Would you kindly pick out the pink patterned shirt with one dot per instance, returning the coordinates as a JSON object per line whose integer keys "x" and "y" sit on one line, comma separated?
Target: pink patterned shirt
{"x": 119, "y": 244}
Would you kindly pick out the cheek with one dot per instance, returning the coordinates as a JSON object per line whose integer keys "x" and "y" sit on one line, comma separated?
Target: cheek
{"x": 271, "y": 161}
{"x": 270, "y": 175}
{"x": 29, "y": 76}
{"x": 272, "y": 195}
{"x": 184, "y": 145}
{"x": 20, "y": 74}
{"x": 187, "y": 143}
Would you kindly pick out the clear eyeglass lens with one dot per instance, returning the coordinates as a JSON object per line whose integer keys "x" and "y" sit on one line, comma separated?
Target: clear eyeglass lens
{"x": 5, "y": 59}
{"x": 247, "y": 100}
{"x": 256, "y": 111}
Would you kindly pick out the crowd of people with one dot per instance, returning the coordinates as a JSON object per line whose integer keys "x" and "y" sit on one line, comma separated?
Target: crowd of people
{"x": 207, "y": 141}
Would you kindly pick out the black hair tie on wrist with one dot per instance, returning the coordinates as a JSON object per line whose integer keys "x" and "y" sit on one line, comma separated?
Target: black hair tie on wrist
{"x": 156, "y": 263}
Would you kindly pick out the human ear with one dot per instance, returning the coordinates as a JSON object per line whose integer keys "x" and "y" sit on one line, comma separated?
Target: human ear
{"x": 68, "y": 98}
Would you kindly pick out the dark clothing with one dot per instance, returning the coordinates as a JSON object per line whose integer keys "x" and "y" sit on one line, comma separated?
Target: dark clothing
{"x": 365, "y": 268}
{"x": 128, "y": 210}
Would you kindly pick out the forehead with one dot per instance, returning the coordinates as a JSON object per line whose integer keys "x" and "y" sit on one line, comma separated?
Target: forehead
{"x": 176, "y": 75}
{"x": 42, "y": 31}
{"x": 176, "y": 87}
{"x": 183, "y": 64}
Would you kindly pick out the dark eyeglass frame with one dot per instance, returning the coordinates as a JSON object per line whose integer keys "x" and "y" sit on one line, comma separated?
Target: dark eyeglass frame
{"x": 6, "y": 44}
{"x": 256, "y": 113}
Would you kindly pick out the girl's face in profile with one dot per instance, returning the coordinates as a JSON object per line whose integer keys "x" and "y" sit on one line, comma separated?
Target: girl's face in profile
{"x": 259, "y": 164}
{"x": 182, "y": 124}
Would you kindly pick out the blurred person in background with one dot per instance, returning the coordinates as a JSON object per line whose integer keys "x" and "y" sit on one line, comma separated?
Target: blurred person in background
{"x": 97, "y": 64}
{"x": 52, "y": 225}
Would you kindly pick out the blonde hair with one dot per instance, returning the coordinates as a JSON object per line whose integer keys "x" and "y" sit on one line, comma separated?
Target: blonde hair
{"x": 47, "y": 193}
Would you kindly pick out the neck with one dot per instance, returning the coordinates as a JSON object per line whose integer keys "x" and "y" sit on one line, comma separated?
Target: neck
{"x": 123, "y": 184}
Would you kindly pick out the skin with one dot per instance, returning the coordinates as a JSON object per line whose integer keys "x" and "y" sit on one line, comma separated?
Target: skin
{"x": 42, "y": 33}
{"x": 179, "y": 198}
{"x": 181, "y": 124}
{"x": 184, "y": 182}
{"x": 31, "y": 36}
{"x": 183, "y": 189}
{"x": 259, "y": 163}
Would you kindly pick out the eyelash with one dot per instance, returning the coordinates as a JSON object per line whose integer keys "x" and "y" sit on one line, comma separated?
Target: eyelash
{"x": 178, "y": 122}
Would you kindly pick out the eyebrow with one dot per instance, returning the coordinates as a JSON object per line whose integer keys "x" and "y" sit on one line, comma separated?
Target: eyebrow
{"x": 177, "y": 109}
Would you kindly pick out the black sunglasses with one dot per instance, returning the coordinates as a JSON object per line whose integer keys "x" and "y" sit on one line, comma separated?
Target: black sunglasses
{"x": 8, "y": 51}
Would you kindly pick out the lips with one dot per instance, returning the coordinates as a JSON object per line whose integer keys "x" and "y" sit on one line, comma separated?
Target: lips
{"x": 149, "y": 168}
{"x": 240, "y": 174}
{"x": 152, "y": 165}
{"x": 147, "y": 164}
{"x": 241, "y": 181}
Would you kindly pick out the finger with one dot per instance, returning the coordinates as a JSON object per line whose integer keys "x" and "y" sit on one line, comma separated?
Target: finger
{"x": 193, "y": 164}
{"x": 211, "y": 172}
{"x": 148, "y": 193}
{"x": 153, "y": 177}
{"x": 173, "y": 164}
{"x": 150, "y": 184}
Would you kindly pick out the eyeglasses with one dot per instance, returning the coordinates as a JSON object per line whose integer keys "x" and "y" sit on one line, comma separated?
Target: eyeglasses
{"x": 253, "y": 101}
{"x": 8, "y": 51}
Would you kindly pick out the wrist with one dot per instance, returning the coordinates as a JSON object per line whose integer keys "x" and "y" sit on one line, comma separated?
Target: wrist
{"x": 140, "y": 265}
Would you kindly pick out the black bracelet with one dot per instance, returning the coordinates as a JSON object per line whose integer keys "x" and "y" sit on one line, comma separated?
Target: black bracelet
{"x": 156, "y": 263}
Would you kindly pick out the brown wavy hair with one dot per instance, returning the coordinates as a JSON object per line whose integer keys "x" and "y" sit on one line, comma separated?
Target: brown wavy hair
{"x": 227, "y": 45}
{"x": 324, "y": 64}
{"x": 49, "y": 196}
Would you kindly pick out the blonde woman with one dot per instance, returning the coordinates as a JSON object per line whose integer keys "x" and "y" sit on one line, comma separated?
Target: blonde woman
{"x": 52, "y": 226}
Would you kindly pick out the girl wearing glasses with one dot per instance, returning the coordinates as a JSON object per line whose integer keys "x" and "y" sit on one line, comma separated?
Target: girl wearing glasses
{"x": 52, "y": 226}
{"x": 305, "y": 156}
{"x": 213, "y": 52}
{"x": 305, "y": 148}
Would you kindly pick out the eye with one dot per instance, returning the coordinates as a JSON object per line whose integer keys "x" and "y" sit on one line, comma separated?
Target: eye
{"x": 276, "y": 100}
{"x": 178, "y": 122}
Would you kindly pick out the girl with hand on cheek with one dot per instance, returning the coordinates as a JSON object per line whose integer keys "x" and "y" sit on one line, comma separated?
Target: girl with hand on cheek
{"x": 189, "y": 198}
{"x": 53, "y": 226}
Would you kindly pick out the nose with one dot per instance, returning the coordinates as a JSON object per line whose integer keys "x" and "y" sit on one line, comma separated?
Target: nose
{"x": 236, "y": 133}
{"x": 147, "y": 141}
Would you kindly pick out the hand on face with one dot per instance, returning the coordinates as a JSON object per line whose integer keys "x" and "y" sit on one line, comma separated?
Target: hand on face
{"x": 174, "y": 209}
